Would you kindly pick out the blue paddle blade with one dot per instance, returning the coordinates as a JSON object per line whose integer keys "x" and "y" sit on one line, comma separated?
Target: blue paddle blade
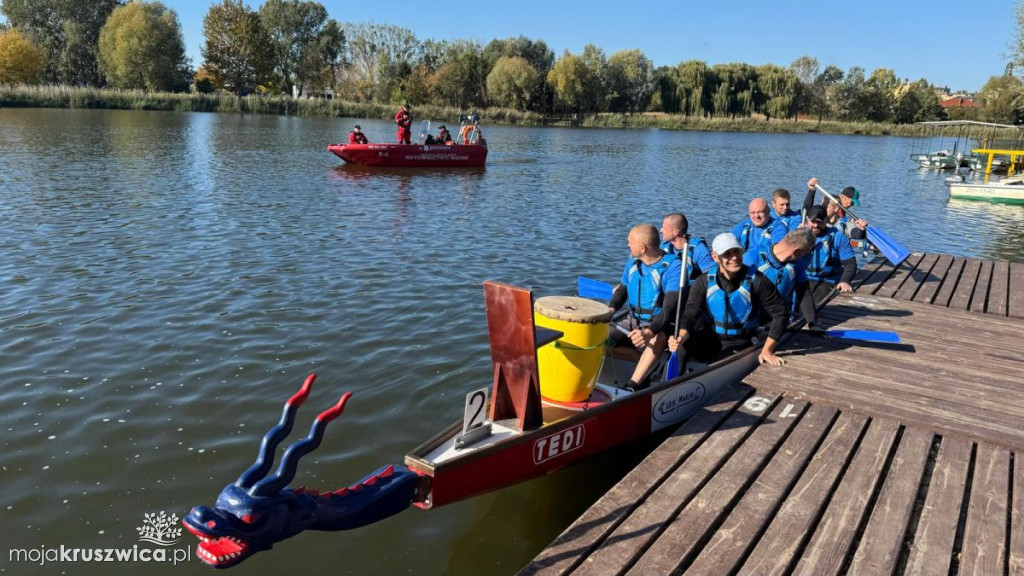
{"x": 672, "y": 368}
{"x": 590, "y": 288}
{"x": 867, "y": 335}
{"x": 893, "y": 250}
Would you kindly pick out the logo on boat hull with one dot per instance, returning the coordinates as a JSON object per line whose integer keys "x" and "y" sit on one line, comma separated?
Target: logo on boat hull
{"x": 557, "y": 444}
{"x": 676, "y": 403}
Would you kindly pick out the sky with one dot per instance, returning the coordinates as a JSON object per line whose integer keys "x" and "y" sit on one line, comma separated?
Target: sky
{"x": 956, "y": 45}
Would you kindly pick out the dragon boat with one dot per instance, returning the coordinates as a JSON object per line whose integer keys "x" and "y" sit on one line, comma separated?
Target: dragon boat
{"x": 555, "y": 399}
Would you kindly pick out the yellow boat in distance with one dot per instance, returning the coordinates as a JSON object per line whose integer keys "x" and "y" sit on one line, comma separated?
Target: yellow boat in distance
{"x": 1002, "y": 150}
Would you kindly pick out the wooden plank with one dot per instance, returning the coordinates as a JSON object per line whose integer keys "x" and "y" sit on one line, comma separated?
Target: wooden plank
{"x": 949, "y": 282}
{"x": 984, "y": 546}
{"x": 831, "y": 541}
{"x": 930, "y": 285}
{"x": 981, "y": 289}
{"x": 794, "y": 523}
{"x": 917, "y": 278}
{"x": 932, "y": 550}
{"x": 961, "y": 298}
{"x": 892, "y": 285}
{"x": 1015, "y": 307}
{"x": 882, "y": 542}
{"x": 997, "y": 295}
{"x": 589, "y": 530}
{"x": 725, "y": 549}
{"x": 872, "y": 274}
{"x": 1016, "y": 556}
{"x": 685, "y": 534}
{"x": 628, "y": 540}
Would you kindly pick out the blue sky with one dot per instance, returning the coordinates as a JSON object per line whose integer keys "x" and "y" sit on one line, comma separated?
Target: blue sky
{"x": 950, "y": 44}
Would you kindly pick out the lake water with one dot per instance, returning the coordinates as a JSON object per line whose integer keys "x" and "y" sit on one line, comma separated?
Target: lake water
{"x": 170, "y": 279}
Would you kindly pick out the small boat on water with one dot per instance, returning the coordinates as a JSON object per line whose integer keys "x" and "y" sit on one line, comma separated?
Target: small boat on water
{"x": 940, "y": 160}
{"x": 1009, "y": 190}
{"x": 469, "y": 149}
{"x": 556, "y": 398}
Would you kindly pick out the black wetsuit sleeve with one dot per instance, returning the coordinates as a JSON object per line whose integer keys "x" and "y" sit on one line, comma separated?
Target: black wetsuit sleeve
{"x": 618, "y": 297}
{"x": 805, "y": 297}
{"x": 809, "y": 199}
{"x": 694, "y": 303}
{"x": 668, "y": 313}
{"x": 770, "y": 301}
{"x": 849, "y": 270}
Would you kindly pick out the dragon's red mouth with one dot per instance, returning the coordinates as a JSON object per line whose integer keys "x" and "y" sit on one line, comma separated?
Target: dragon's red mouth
{"x": 220, "y": 552}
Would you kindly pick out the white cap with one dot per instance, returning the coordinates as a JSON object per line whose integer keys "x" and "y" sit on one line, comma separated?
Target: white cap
{"x": 724, "y": 242}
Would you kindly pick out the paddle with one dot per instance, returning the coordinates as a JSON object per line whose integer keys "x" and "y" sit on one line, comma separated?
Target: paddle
{"x": 891, "y": 249}
{"x": 673, "y": 367}
{"x": 865, "y": 335}
{"x": 590, "y": 288}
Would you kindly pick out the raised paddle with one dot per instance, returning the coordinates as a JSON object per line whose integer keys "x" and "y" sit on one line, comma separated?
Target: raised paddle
{"x": 595, "y": 289}
{"x": 673, "y": 367}
{"x": 890, "y": 248}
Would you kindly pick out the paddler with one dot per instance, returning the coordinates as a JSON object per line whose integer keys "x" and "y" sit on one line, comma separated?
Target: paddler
{"x": 650, "y": 287}
{"x": 759, "y": 232}
{"x": 781, "y": 211}
{"x": 831, "y": 262}
{"x": 724, "y": 307}
{"x": 675, "y": 235}
{"x": 356, "y": 136}
{"x": 785, "y": 266}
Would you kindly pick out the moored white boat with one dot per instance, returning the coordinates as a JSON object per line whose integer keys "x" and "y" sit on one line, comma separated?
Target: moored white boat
{"x": 1008, "y": 190}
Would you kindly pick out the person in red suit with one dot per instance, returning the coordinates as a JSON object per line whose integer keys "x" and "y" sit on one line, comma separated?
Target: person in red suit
{"x": 404, "y": 120}
{"x": 356, "y": 136}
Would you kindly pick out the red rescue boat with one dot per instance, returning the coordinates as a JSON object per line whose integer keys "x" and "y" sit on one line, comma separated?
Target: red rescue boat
{"x": 412, "y": 155}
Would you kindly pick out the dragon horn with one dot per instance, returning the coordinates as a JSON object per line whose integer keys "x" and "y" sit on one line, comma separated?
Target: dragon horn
{"x": 265, "y": 458}
{"x": 290, "y": 461}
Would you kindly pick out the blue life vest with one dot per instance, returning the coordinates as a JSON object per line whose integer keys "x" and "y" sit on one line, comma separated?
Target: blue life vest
{"x": 644, "y": 290}
{"x": 732, "y": 312}
{"x": 783, "y": 276}
{"x": 821, "y": 265}
{"x": 746, "y": 240}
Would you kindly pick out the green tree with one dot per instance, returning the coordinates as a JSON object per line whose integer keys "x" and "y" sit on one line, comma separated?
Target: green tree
{"x": 67, "y": 33}
{"x": 827, "y": 82}
{"x": 141, "y": 46}
{"x": 20, "y": 61}
{"x": 511, "y": 82}
{"x": 307, "y": 44}
{"x": 630, "y": 81}
{"x": 570, "y": 77}
{"x": 596, "y": 89}
{"x": 807, "y": 71}
{"x": 461, "y": 81}
{"x": 238, "y": 52}
{"x": 779, "y": 91}
{"x": 536, "y": 53}
{"x": 696, "y": 82}
{"x": 737, "y": 91}
{"x": 381, "y": 55}
{"x": 1002, "y": 99}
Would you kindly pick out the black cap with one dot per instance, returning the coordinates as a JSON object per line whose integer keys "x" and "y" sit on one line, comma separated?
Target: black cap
{"x": 442, "y": 127}
{"x": 817, "y": 213}
{"x": 357, "y": 127}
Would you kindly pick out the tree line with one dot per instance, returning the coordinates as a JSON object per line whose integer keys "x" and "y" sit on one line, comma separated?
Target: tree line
{"x": 294, "y": 44}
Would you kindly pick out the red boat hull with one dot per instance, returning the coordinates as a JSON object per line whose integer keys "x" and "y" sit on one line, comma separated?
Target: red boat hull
{"x": 411, "y": 155}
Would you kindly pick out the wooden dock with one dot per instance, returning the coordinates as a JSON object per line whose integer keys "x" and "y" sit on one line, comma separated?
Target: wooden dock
{"x": 870, "y": 459}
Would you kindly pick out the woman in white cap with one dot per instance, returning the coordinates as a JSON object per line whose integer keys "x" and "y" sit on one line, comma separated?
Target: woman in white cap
{"x": 724, "y": 306}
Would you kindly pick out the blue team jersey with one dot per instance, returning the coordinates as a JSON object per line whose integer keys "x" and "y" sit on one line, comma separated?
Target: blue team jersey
{"x": 755, "y": 240}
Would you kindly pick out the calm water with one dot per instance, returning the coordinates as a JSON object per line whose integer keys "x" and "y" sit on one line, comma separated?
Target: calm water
{"x": 169, "y": 279}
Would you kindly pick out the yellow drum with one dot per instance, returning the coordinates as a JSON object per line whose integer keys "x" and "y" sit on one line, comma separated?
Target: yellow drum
{"x": 569, "y": 366}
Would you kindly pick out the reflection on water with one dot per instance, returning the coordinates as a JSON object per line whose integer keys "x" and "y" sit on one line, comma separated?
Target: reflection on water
{"x": 170, "y": 279}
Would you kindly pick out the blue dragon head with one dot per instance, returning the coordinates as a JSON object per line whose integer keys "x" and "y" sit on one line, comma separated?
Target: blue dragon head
{"x": 258, "y": 510}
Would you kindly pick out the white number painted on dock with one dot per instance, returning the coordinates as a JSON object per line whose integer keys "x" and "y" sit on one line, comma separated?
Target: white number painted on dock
{"x": 476, "y": 413}
{"x": 757, "y": 404}
{"x": 557, "y": 444}
{"x": 788, "y": 412}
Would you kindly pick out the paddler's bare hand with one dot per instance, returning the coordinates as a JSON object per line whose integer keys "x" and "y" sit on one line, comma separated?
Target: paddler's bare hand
{"x": 844, "y": 287}
{"x": 768, "y": 357}
{"x": 812, "y": 184}
{"x": 674, "y": 342}
{"x": 861, "y": 223}
{"x": 641, "y": 337}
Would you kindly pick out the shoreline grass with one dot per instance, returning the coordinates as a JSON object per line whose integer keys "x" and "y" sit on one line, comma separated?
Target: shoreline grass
{"x": 113, "y": 99}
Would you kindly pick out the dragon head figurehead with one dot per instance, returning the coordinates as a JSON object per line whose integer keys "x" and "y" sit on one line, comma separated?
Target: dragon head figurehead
{"x": 258, "y": 510}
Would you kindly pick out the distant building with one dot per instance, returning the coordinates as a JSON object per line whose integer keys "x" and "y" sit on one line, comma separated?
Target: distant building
{"x": 959, "y": 102}
{"x": 312, "y": 93}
